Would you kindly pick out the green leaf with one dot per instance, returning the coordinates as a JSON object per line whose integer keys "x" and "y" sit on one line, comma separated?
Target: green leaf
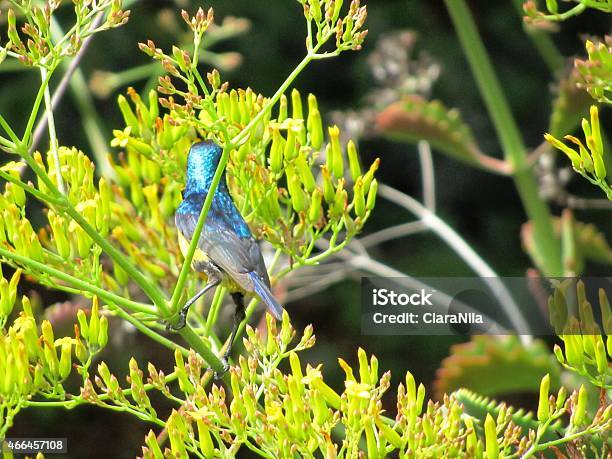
{"x": 414, "y": 118}
{"x": 496, "y": 365}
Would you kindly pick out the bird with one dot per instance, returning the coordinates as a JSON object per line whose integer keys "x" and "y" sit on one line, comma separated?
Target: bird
{"x": 227, "y": 253}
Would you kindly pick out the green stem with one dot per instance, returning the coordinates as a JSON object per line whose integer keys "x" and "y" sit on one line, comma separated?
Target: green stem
{"x": 53, "y": 145}
{"x": 45, "y": 198}
{"x": 546, "y": 243}
{"x": 575, "y": 11}
{"x": 27, "y": 134}
{"x": 209, "y": 356}
{"x": 77, "y": 283}
{"x": 7, "y": 127}
{"x": 69, "y": 404}
{"x": 213, "y": 312}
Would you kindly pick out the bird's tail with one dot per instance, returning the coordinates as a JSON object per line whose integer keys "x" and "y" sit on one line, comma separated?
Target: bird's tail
{"x": 263, "y": 292}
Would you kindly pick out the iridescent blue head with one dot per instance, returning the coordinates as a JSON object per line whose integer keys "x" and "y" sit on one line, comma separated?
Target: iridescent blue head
{"x": 201, "y": 165}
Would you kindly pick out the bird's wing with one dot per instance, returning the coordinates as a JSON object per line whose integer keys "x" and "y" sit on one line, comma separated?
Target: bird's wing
{"x": 237, "y": 256}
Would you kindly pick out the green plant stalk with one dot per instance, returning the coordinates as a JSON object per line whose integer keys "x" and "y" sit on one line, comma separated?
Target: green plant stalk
{"x": 27, "y": 133}
{"x": 149, "y": 332}
{"x": 8, "y": 129}
{"x": 53, "y": 145}
{"x": 69, "y": 404}
{"x": 78, "y": 283}
{"x": 548, "y": 245}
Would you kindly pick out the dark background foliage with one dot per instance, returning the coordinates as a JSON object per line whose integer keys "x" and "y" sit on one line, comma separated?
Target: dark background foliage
{"x": 484, "y": 209}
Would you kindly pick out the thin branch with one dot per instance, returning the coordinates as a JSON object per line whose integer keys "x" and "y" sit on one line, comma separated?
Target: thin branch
{"x": 469, "y": 255}
{"x": 393, "y": 232}
{"x": 428, "y": 177}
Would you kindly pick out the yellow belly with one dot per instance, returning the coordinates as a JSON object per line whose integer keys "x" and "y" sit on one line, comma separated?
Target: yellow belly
{"x": 198, "y": 256}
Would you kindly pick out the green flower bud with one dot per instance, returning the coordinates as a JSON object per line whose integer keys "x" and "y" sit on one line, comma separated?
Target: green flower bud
{"x": 65, "y": 363}
{"x": 47, "y": 332}
{"x": 579, "y": 414}
{"x": 30, "y": 337}
{"x": 559, "y": 354}
{"x": 571, "y": 154}
{"x": 153, "y": 105}
{"x": 328, "y": 188}
{"x": 587, "y": 163}
{"x": 316, "y": 209}
{"x": 94, "y": 322}
{"x": 599, "y": 166}
{"x": 291, "y": 144}
{"x": 369, "y": 175}
{"x": 601, "y": 357}
{"x": 492, "y": 447}
{"x": 83, "y": 325}
{"x": 305, "y": 171}
{"x": 234, "y": 107}
{"x": 223, "y": 105}
{"x": 314, "y": 125}
{"x": 184, "y": 383}
{"x": 359, "y": 199}
{"x": 337, "y": 160}
{"x": 543, "y": 406}
{"x": 103, "y": 332}
{"x": 340, "y": 199}
{"x": 204, "y": 439}
{"x": 276, "y": 150}
{"x": 17, "y": 193}
{"x": 561, "y": 397}
{"x": 81, "y": 351}
{"x": 372, "y": 195}
{"x": 596, "y": 131}
{"x": 353, "y": 158}
{"x": 315, "y": 10}
{"x": 420, "y": 398}
{"x": 39, "y": 376}
{"x": 299, "y": 199}
{"x": 282, "y": 109}
{"x": 136, "y": 194}
{"x": 105, "y": 374}
{"x": 128, "y": 115}
{"x": 552, "y": 7}
{"x": 296, "y": 105}
{"x": 244, "y": 150}
{"x": 155, "y": 450}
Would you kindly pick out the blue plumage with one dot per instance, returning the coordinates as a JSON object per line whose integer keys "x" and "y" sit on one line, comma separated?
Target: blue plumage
{"x": 227, "y": 251}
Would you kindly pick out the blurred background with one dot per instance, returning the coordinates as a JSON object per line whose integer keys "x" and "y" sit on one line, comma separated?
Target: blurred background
{"x": 483, "y": 208}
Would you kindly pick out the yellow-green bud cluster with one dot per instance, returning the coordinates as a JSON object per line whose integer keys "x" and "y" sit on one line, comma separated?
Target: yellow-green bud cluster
{"x": 587, "y": 160}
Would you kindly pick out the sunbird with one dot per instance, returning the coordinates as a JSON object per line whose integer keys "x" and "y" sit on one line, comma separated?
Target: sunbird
{"x": 227, "y": 253}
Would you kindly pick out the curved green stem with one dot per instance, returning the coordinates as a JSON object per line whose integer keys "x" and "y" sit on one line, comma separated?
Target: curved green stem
{"x": 78, "y": 283}
{"x": 548, "y": 246}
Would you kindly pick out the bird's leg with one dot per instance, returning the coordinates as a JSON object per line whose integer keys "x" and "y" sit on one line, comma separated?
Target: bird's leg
{"x": 239, "y": 315}
{"x": 213, "y": 282}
